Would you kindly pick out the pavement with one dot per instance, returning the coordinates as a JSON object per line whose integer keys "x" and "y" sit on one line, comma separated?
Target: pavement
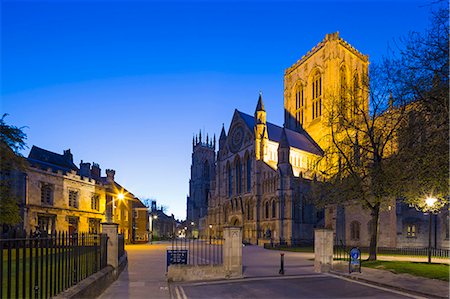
{"x": 145, "y": 277}
{"x": 429, "y": 288}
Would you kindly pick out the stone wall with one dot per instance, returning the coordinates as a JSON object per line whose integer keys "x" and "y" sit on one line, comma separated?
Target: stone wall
{"x": 61, "y": 183}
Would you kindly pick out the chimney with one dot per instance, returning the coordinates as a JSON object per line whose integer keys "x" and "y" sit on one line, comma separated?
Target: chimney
{"x": 95, "y": 170}
{"x": 110, "y": 175}
{"x": 68, "y": 155}
{"x": 85, "y": 169}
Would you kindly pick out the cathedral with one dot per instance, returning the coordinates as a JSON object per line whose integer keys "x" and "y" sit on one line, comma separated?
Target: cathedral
{"x": 261, "y": 174}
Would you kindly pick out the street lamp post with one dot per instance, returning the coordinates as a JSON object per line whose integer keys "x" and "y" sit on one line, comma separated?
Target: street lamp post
{"x": 210, "y": 227}
{"x": 430, "y": 201}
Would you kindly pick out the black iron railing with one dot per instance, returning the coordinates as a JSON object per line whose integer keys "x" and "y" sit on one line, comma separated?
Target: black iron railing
{"x": 341, "y": 252}
{"x": 200, "y": 251}
{"x": 42, "y": 266}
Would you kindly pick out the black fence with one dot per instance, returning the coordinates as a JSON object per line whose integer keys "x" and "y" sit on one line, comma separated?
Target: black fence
{"x": 121, "y": 241}
{"x": 341, "y": 252}
{"x": 41, "y": 266}
{"x": 200, "y": 251}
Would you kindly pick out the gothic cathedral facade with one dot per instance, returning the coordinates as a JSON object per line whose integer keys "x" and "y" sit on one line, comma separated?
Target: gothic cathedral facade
{"x": 262, "y": 172}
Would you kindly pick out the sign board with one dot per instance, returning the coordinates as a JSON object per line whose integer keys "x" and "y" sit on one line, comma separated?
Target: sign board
{"x": 178, "y": 256}
{"x": 354, "y": 263}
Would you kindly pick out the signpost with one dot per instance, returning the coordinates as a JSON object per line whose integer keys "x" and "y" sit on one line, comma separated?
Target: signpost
{"x": 354, "y": 263}
{"x": 177, "y": 256}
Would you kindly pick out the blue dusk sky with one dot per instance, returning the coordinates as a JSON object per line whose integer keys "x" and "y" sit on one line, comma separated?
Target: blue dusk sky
{"x": 126, "y": 84}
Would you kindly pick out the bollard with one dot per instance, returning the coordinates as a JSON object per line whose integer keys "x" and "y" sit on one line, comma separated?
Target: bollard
{"x": 281, "y": 272}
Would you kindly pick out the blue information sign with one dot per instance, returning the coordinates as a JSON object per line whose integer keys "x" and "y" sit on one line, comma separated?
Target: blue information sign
{"x": 179, "y": 256}
{"x": 354, "y": 263}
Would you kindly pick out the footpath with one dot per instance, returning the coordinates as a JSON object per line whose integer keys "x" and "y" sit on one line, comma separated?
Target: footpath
{"x": 145, "y": 275}
{"x": 428, "y": 288}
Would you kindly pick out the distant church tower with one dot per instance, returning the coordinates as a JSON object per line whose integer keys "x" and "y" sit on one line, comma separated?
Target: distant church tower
{"x": 202, "y": 173}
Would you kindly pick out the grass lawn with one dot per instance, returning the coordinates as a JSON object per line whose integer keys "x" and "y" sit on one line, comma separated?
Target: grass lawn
{"x": 433, "y": 271}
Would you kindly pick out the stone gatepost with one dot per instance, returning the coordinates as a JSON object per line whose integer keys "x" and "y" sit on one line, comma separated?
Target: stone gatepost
{"x": 323, "y": 250}
{"x": 111, "y": 230}
{"x": 232, "y": 250}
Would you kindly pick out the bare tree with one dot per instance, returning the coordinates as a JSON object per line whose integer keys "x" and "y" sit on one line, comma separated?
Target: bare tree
{"x": 368, "y": 161}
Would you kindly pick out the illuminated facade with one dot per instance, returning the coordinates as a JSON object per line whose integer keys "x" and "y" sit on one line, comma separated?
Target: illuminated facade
{"x": 263, "y": 171}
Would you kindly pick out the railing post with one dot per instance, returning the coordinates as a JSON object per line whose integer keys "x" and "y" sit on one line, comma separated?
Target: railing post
{"x": 111, "y": 230}
{"x": 323, "y": 250}
{"x": 232, "y": 250}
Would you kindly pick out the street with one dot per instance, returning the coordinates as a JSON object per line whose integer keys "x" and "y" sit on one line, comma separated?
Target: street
{"x": 299, "y": 286}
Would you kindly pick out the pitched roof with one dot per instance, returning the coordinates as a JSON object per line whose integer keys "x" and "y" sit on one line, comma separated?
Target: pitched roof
{"x": 137, "y": 203}
{"x": 48, "y": 159}
{"x": 295, "y": 139}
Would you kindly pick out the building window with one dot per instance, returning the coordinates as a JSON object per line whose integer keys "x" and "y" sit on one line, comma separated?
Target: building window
{"x": 94, "y": 226}
{"x": 73, "y": 198}
{"x": 230, "y": 181}
{"x": 267, "y": 209}
{"x": 249, "y": 174}
{"x": 238, "y": 176}
{"x": 73, "y": 225}
{"x": 343, "y": 92}
{"x": 47, "y": 194}
{"x": 274, "y": 209}
{"x": 95, "y": 202}
{"x": 355, "y": 228}
{"x": 354, "y": 105}
{"x": 299, "y": 106}
{"x": 317, "y": 96}
{"x": 411, "y": 230}
{"x": 46, "y": 224}
{"x": 446, "y": 226}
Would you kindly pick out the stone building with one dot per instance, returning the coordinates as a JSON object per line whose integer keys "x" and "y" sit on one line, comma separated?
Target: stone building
{"x": 59, "y": 197}
{"x": 263, "y": 171}
{"x": 140, "y": 222}
{"x": 202, "y": 171}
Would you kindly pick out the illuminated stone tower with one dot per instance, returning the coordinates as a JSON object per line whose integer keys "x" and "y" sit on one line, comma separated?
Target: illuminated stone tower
{"x": 202, "y": 172}
{"x": 317, "y": 81}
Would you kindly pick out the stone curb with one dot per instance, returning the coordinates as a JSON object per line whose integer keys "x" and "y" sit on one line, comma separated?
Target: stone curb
{"x": 388, "y": 286}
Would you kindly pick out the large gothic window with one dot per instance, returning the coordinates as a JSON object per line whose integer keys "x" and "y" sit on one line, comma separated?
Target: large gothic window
{"x": 206, "y": 170}
{"x": 267, "y": 209}
{"x": 316, "y": 96}
{"x": 299, "y": 105}
{"x": 230, "y": 181}
{"x": 355, "y": 94}
{"x": 274, "y": 209}
{"x": 238, "y": 176}
{"x": 343, "y": 91}
{"x": 355, "y": 228}
{"x": 249, "y": 173}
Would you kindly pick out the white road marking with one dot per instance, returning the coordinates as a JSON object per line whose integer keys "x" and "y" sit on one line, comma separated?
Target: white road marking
{"x": 183, "y": 293}
{"x": 377, "y": 287}
{"x": 177, "y": 292}
{"x": 253, "y": 279}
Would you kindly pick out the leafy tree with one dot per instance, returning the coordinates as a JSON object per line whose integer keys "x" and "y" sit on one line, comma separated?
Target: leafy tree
{"x": 382, "y": 150}
{"x": 12, "y": 140}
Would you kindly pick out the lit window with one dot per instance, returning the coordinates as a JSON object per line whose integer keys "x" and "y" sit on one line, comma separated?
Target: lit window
{"x": 73, "y": 199}
{"x": 316, "y": 96}
{"x": 411, "y": 230}
{"x": 95, "y": 202}
{"x": 47, "y": 194}
{"x": 299, "y": 106}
